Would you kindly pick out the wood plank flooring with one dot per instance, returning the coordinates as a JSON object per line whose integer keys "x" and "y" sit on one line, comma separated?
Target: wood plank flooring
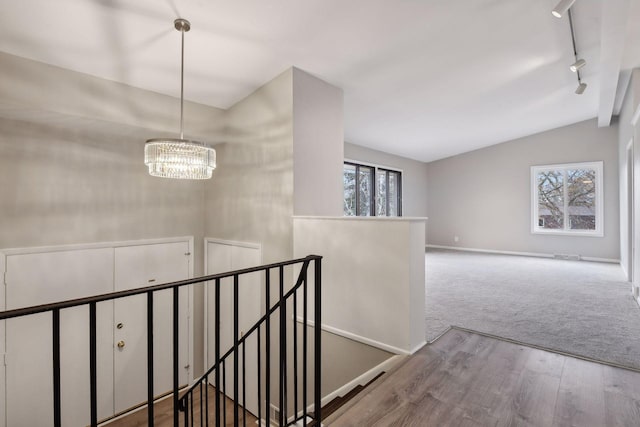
{"x": 163, "y": 414}
{"x": 466, "y": 379}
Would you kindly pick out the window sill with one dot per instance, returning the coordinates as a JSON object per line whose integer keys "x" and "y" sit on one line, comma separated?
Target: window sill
{"x": 570, "y": 233}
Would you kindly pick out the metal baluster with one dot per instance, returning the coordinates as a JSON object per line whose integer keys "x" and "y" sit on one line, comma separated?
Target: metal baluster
{"x": 175, "y": 358}
{"x": 186, "y": 410}
{"x": 93, "y": 381}
{"x": 318, "y": 339}
{"x": 258, "y": 347}
{"x": 236, "y": 361}
{"x": 57, "y": 419}
{"x": 305, "y": 344}
{"x": 224, "y": 391}
{"x": 244, "y": 384}
{"x": 150, "y": 374}
{"x": 295, "y": 355}
{"x": 190, "y": 409}
{"x": 267, "y": 343}
{"x": 283, "y": 350}
{"x": 217, "y": 344}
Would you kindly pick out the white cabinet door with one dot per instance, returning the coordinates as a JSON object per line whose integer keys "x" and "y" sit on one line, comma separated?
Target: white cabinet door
{"x": 66, "y": 273}
{"x": 40, "y": 278}
{"x": 224, "y": 257}
{"x": 145, "y": 265}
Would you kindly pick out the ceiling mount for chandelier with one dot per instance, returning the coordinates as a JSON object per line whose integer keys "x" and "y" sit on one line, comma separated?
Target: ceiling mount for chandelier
{"x": 180, "y": 158}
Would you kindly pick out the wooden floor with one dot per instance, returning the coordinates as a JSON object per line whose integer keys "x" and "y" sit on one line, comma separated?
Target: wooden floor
{"x": 465, "y": 379}
{"x": 163, "y": 414}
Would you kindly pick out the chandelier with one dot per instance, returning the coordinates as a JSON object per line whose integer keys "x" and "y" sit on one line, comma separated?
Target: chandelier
{"x": 180, "y": 158}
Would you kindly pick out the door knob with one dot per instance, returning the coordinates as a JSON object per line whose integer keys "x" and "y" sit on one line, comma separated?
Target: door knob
{"x": 120, "y": 344}
{"x": 119, "y": 326}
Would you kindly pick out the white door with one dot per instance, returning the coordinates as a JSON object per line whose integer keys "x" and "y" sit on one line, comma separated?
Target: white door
{"x": 223, "y": 257}
{"x": 40, "y": 278}
{"x": 137, "y": 266}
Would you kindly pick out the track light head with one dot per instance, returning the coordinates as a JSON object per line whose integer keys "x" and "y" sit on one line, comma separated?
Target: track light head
{"x": 577, "y": 65}
{"x": 562, "y": 8}
{"x": 581, "y": 88}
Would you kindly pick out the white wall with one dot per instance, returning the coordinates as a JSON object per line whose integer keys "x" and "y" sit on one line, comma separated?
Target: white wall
{"x": 372, "y": 277}
{"x": 72, "y": 171}
{"x": 38, "y": 89}
{"x": 250, "y": 197}
{"x": 256, "y": 186}
{"x": 71, "y": 162}
{"x": 484, "y": 196}
{"x": 318, "y": 135}
{"x": 625, "y": 135}
{"x": 628, "y": 132}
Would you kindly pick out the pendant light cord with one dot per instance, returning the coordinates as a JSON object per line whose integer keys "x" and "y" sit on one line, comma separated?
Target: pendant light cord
{"x": 182, "y": 88}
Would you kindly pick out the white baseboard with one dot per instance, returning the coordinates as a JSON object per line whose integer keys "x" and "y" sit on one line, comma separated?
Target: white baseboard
{"x": 364, "y": 340}
{"x": 624, "y": 270}
{"x": 531, "y": 254}
{"x": 363, "y": 379}
{"x": 596, "y": 259}
{"x": 359, "y": 380}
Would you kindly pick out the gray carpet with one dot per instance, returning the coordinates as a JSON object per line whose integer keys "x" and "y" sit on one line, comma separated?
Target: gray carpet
{"x": 578, "y": 307}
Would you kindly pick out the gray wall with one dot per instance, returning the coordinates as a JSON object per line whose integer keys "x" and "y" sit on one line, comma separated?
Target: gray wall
{"x": 484, "y": 196}
{"x": 71, "y": 163}
{"x": 414, "y": 176}
{"x": 630, "y": 221}
{"x": 250, "y": 197}
{"x": 72, "y": 171}
{"x": 66, "y": 183}
{"x": 625, "y": 135}
{"x": 318, "y": 134}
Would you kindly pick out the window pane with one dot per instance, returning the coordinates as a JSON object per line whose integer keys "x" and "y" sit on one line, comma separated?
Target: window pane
{"x": 381, "y": 195}
{"x": 393, "y": 193}
{"x": 349, "y": 180}
{"x": 365, "y": 190}
{"x": 581, "y": 192}
{"x": 551, "y": 200}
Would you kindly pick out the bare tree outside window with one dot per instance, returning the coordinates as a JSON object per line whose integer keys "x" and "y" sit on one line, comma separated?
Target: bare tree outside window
{"x": 381, "y": 195}
{"x": 365, "y": 190}
{"x": 349, "y": 181}
{"x": 551, "y": 199}
{"x": 371, "y": 191}
{"x": 581, "y": 192}
{"x": 568, "y": 198}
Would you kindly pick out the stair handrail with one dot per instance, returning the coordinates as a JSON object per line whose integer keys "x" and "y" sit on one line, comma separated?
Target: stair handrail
{"x": 304, "y": 416}
{"x": 92, "y": 302}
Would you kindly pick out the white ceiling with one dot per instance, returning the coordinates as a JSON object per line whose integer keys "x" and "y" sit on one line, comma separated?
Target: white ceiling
{"x": 422, "y": 79}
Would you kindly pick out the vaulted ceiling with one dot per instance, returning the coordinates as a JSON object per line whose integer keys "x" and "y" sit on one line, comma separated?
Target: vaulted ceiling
{"x": 421, "y": 79}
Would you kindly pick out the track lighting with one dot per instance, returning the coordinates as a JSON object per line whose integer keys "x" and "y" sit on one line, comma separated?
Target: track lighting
{"x": 562, "y": 7}
{"x": 577, "y": 65}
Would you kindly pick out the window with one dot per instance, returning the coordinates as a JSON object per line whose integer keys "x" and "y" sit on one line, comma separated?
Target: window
{"x": 567, "y": 199}
{"x": 371, "y": 191}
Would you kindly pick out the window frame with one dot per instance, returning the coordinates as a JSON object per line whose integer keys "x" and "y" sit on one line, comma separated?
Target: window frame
{"x": 374, "y": 194}
{"x": 598, "y": 166}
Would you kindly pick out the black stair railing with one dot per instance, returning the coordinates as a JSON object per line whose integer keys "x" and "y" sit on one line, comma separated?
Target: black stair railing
{"x": 286, "y": 375}
{"x": 238, "y": 351}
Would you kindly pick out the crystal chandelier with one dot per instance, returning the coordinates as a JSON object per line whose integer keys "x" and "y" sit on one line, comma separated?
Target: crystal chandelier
{"x": 178, "y": 157}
